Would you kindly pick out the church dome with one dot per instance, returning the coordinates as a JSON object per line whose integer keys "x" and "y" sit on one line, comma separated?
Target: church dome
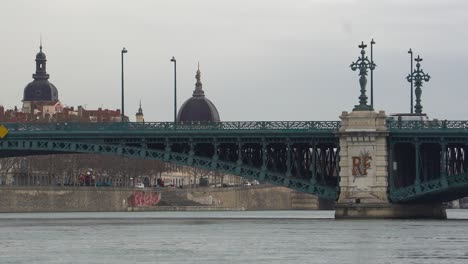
{"x": 40, "y": 55}
{"x": 198, "y": 107}
{"x": 40, "y": 89}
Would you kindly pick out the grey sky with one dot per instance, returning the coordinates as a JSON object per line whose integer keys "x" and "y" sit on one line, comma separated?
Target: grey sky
{"x": 260, "y": 60}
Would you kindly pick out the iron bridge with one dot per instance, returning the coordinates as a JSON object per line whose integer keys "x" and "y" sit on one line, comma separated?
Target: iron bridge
{"x": 301, "y": 155}
{"x": 428, "y": 161}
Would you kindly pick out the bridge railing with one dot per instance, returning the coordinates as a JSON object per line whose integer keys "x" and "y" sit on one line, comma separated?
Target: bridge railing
{"x": 161, "y": 126}
{"x": 332, "y": 126}
{"x": 411, "y": 125}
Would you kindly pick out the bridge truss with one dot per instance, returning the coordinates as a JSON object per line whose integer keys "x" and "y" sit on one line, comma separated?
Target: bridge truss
{"x": 428, "y": 161}
{"x": 300, "y": 155}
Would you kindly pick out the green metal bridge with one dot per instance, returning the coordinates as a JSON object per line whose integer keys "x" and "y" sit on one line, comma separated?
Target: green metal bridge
{"x": 298, "y": 155}
{"x": 427, "y": 159}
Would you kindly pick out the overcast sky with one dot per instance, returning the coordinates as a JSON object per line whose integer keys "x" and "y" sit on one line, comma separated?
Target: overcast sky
{"x": 259, "y": 59}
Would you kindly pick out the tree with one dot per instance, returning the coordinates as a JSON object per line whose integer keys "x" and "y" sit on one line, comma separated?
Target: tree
{"x": 6, "y": 168}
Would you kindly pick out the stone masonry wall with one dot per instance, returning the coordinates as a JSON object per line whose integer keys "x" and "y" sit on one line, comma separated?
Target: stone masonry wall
{"x": 363, "y": 134}
{"x": 255, "y": 198}
{"x": 58, "y": 199}
{"x": 91, "y": 199}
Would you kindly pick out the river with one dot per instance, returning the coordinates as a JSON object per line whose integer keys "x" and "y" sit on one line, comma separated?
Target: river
{"x": 229, "y": 237}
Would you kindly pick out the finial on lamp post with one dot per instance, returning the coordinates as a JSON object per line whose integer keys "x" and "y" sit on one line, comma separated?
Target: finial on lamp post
{"x": 418, "y": 77}
{"x": 363, "y": 63}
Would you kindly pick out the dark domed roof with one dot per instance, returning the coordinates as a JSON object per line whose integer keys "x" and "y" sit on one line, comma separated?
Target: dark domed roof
{"x": 40, "y": 55}
{"x": 40, "y": 89}
{"x": 198, "y": 107}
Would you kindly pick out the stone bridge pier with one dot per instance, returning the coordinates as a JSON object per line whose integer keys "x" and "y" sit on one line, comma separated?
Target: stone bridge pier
{"x": 364, "y": 166}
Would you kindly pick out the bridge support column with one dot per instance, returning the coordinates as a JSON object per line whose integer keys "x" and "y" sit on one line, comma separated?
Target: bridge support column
{"x": 364, "y": 164}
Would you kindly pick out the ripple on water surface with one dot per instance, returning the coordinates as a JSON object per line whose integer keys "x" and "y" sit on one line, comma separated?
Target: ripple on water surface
{"x": 229, "y": 237}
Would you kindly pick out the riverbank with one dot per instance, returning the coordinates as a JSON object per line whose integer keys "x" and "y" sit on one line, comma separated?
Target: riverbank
{"x": 182, "y": 209}
{"x": 112, "y": 199}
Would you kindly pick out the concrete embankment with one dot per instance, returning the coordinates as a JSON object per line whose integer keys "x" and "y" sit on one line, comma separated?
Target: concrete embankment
{"x": 182, "y": 208}
{"x": 259, "y": 197}
{"x": 100, "y": 199}
{"x": 63, "y": 199}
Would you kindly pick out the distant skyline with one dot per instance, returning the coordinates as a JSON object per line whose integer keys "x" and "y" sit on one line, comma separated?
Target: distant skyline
{"x": 259, "y": 60}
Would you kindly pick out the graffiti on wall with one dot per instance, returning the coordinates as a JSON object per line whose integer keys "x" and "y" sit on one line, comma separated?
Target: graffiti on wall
{"x": 361, "y": 164}
{"x": 144, "y": 199}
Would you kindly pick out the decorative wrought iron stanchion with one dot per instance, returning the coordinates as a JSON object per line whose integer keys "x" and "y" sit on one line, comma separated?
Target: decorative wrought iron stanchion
{"x": 363, "y": 64}
{"x": 418, "y": 77}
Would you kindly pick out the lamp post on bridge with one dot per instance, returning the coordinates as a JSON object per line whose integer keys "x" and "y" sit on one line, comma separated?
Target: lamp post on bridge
{"x": 175, "y": 88}
{"x": 372, "y": 74}
{"x": 363, "y": 63}
{"x": 418, "y": 77}
{"x": 411, "y": 70}
{"x": 122, "y": 114}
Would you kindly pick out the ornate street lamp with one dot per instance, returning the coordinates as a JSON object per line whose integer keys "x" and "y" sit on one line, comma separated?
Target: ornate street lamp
{"x": 175, "y": 88}
{"x": 418, "y": 77}
{"x": 122, "y": 114}
{"x": 363, "y": 64}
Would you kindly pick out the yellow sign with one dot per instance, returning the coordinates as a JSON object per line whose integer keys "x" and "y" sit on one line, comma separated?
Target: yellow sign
{"x": 3, "y": 131}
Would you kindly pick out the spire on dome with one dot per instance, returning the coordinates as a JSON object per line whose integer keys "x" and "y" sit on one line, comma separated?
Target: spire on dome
{"x": 140, "y": 110}
{"x": 139, "y": 115}
{"x": 198, "y": 85}
{"x": 41, "y": 72}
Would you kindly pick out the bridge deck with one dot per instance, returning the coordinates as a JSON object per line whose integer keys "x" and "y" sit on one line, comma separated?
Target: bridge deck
{"x": 301, "y": 155}
{"x": 431, "y": 155}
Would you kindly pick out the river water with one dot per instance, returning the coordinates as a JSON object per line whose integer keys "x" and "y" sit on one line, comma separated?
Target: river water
{"x": 229, "y": 237}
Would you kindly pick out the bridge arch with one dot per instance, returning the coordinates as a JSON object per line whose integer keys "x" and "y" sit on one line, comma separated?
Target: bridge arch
{"x": 24, "y": 147}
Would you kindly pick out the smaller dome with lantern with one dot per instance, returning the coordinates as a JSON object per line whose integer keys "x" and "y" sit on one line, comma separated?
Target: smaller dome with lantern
{"x": 40, "y": 89}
